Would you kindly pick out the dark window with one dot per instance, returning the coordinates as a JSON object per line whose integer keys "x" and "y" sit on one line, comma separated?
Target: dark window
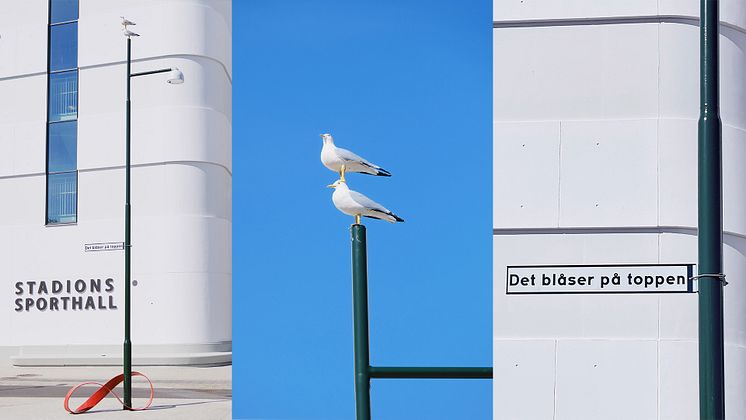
{"x": 62, "y": 201}
{"x": 63, "y": 11}
{"x": 63, "y": 146}
{"x": 63, "y": 96}
{"x": 63, "y": 47}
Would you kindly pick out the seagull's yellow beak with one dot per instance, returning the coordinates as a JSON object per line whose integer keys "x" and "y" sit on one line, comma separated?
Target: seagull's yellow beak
{"x": 331, "y": 186}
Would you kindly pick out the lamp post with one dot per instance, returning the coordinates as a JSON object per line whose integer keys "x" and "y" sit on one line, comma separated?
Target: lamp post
{"x": 364, "y": 372}
{"x": 176, "y": 77}
{"x": 710, "y": 221}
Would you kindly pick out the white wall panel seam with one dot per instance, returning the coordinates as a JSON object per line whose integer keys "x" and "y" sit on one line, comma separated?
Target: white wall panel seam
{"x": 678, "y": 230}
{"x": 21, "y": 76}
{"x": 138, "y": 165}
{"x": 559, "y": 175}
{"x": 123, "y": 62}
{"x": 554, "y": 411}
{"x": 609, "y": 20}
{"x": 586, "y": 339}
{"x": 658, "y": 352}
{"x": 160, "y": 57}
{"x": 16, "y": 176}
{"x": 581, "y": 120}
{"x": 158, "y": 163}
{"x": 603, "y": 339}
{"x": 658, "y": 139}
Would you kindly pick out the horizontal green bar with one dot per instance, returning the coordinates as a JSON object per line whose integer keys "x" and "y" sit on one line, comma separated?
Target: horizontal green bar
{"x": 145, "y": 73}
{"x": 431, "y": 372}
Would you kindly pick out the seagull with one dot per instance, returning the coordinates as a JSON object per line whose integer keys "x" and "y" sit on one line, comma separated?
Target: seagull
{"x": 126, "y": 22}
{"x": 129, "y": 33}
{"x": 355, "y": 204}
{"x": 342, "y": 160}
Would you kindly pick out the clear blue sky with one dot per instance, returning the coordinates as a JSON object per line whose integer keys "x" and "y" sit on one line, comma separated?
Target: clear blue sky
{"x": 407, "y": 85}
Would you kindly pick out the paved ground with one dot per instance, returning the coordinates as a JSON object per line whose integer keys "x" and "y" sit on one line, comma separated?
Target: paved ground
{"x": 187, "y": 393}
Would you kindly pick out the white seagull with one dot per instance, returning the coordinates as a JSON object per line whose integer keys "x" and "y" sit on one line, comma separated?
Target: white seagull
{"x": 125, "y": 30}
{"x": 342, "y": 160}
{"x": 127, "y": 22}
{"x": 355, "y": 204}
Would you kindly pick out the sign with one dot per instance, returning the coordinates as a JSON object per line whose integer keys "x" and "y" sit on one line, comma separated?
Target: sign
{"x": 560, "y": 279}
{"x": 64, "y": 295}
{"x": 104, "y": 246}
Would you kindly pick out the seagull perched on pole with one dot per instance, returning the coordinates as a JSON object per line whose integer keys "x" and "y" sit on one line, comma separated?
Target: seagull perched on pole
{"x": 355, "y": 204}
{"x": 342, "y": 160}
{"x": 127, "y": 22}
{"x": 125, "y": 30}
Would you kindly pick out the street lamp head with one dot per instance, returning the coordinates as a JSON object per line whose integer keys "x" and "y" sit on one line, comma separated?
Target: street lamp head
{"x": 175, "y": 77}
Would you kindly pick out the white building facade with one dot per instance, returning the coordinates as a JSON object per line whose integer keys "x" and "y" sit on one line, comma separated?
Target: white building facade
{"x": 62, "y": 151}
{"x": 595, "y": 162}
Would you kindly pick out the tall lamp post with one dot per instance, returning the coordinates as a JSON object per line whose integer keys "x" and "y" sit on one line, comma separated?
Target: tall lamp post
{"x": 710, "y": 221}
{"x": 175, "y": 77}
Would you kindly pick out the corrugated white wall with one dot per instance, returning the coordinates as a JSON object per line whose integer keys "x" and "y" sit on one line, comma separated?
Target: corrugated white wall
{"x": 181, "y": 179}
{"x": 595, "y": 132}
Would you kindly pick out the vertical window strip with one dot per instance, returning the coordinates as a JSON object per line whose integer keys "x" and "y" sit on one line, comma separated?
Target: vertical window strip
{"x": 62, "y": 106}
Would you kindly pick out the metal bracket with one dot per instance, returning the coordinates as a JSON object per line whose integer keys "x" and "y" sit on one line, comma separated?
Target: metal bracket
{"x": 720, "y": 276}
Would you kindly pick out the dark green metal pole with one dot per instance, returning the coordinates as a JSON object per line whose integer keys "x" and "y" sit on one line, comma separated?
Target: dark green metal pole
{"x": 127, "y": 359}
{"x": 360, "y": 321}
{"x": 710, "y": 233}
{"x": 431, "y": 372}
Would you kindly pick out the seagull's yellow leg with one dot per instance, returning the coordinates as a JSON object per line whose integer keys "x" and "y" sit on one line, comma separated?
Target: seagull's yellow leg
{"x": 357, "y": 219}
{"x": 342, "y": 173}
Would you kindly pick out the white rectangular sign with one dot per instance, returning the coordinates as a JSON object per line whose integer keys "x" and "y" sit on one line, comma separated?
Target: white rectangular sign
{"x": 104, "y": 246}
{"x": 655, "y": 278}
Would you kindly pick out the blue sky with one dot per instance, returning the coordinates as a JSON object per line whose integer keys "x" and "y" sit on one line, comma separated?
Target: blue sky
{"x": 407, "y": 85}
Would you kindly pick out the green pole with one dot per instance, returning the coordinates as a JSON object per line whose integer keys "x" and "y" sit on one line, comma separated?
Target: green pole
{"x": 360, "y": 321}
{"x": 127, "y": 359}
{"x": 430, "y": 372}
{"x": 710, "y": 232}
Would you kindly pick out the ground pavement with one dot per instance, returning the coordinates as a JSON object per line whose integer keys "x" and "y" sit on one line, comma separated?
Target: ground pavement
{"x": 184, "y": 393}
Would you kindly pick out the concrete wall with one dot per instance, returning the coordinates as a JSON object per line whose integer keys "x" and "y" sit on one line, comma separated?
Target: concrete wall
{"x": 181, "y": 178}
{"x": 595, "y": 145}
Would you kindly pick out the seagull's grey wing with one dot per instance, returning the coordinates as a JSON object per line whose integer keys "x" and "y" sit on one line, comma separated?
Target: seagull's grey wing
{"x": 367, "y": 202}
{"x": 348, "y": 156}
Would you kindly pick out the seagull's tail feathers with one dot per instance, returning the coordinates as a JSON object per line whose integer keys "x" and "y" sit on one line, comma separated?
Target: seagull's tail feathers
{"x": 374, "y": 170}
{"x": 382, "y": 172}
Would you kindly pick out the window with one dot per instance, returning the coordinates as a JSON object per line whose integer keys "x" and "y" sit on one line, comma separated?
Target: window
{"x": 63, "y": 47}
{"x": 63, "y": 96}
{"x": 62, "y": 200}
{"x": 63, "y": 145}
{"x": 63, "y": 11}
{"x": 62, "y": 113}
